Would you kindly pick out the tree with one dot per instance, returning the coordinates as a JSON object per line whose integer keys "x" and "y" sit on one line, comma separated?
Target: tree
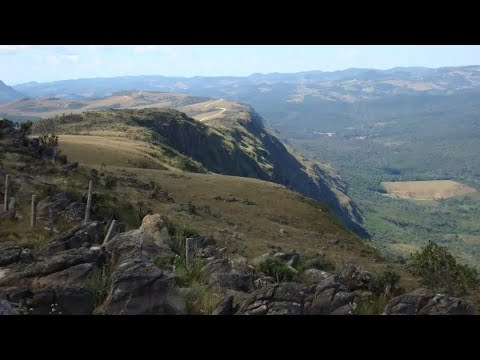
{"x": 26, "y": 128}
{"x": 438, "y": 270}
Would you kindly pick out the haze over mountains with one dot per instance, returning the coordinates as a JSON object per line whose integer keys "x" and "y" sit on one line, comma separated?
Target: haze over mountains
{"x": 8, "y": 93}
{"x": 346, "y": 85}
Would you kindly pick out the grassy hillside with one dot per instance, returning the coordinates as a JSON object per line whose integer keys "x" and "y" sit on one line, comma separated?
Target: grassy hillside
{"x": 232, "y": 141}
{"x": 244, "y": 215}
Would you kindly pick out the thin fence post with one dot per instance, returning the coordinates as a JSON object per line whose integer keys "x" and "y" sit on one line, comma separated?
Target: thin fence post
{"x": 7, "y": 185}
{"x": 89, "y": 202}
{"x": 33, "y": 220}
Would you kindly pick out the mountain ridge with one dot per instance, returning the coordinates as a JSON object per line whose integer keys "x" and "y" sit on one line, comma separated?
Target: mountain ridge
{"x": 234, "y": 141}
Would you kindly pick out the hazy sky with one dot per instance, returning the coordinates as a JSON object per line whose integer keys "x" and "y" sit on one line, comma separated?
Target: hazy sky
{"x": 24, "y": 63}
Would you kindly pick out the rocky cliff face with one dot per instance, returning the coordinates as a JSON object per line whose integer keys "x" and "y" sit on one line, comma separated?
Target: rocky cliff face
{"x": 238, "y": 143}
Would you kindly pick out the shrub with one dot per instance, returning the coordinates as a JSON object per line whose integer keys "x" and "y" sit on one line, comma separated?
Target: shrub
{"x": 386, "y": 284}
{"x": 99, "y": 284}
{"x": 316, "y": 262}
{"x": 438, "y": 270}
{"x": 277, "y": 269}
{"x": 110, "y": 182}
{"x": 372, "y": 306}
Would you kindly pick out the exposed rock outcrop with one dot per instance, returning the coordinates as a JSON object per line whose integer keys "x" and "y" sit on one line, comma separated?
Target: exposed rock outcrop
{"x": 425, "y": 302}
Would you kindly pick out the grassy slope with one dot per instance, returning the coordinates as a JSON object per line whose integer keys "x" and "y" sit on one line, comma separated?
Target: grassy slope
{"x": 255, "y": 226}
{"x": 233, "y": 143}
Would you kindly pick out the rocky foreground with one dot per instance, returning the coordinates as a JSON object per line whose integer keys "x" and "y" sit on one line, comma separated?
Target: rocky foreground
{"x": 131, "y": 273}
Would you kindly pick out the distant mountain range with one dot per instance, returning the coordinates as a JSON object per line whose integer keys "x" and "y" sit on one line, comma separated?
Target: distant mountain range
{"x": 346, "y": 85}
{"x": 8, "y": 93}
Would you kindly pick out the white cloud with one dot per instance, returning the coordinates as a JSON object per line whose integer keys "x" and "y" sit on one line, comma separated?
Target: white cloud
{"x": 55, "y": 59}
{"x": 95, "y": 47}
{"x": 13, "y": 47}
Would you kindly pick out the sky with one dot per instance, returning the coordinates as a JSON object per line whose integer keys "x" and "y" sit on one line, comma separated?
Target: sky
{"x": 44, "y": 63}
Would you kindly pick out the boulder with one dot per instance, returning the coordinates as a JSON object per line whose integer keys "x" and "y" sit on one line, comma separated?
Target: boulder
{"x": 229, "y": 274}
{"x": 6, "y": 308}
{"x": 330, "y": 295}
{"x": 75, "y": 275}
{"x": 89, "y": 234}
{"x": 290, "y": 258}
{"x": 138, "y": 286}
{"x": 278, "y": 299}
{"x": 314, "y": 276}
{"x": 142, "y": 289}
{"x": 155, "y": 227}
{"x": 356, "y": 277}
{"x": 9, "y": 254}
{"x": 425, "y": 302}
{"x": 58, "y": 202}
{"x": 25, "y": 274}
{"x": 72, "y": 300}
{"x": 27, "y": 256}
{"x": 225, "y": 307}
{"x": 74, "y": 212}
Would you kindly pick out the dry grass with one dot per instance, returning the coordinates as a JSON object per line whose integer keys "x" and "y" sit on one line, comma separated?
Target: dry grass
{"x": 470, "y": 239}
{"x": 112, "y": 151}
{"x": 427, "y": 190}
{"x": 46, "y": 108}
{"x": 405, "y": 248}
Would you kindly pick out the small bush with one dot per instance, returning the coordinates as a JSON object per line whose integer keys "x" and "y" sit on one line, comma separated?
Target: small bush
{"x": 438, "y": 270}
{"x": 317, "y": 262}
{"x": 372, "y": 306}
{"x": 110, "y": 182}
{"x": 37, "y": 243}
{"x": 204, "y": 298}
{"x": 277, "y": 269}
{"x": 386, "y": 284}
{"x": 186, "y": 274}
{"x": 99, "y": 284}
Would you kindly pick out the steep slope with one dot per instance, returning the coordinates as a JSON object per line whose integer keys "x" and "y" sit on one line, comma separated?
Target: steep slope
{"x": 228, "y": 138}
{"x": 8, "y": 93}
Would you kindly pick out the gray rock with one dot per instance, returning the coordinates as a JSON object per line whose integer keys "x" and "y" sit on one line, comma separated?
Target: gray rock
{"x": 425, "y": 302}
{"x": 74, "y": 212}
{"x": 278, "y": 299}
{"x": 9, "y": 254}
{"x": 230, "y": 274}
{"x": 315, "y": 275}
{"x": 72, "y": 300}
{"x": 225, "y": 307}
{"x": 58, "y": 202}
{"x": 263, "y": 281}
{"x": 15, "y": 294}
{"x": 355, "y": 277}
{"x": 90, "y": 233}
{"x": 290, "y": 258}
{"x": 75, "y": 275}
{"x": 6, "y": 308}
{"x": 26, "y": 274}
{"x": 155, "y": 227}
{"x": 141, "y": 289}
{"x": 138, "y": 286}
{"x": 330, "y": 295}
{"x": 27, "y": 256}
